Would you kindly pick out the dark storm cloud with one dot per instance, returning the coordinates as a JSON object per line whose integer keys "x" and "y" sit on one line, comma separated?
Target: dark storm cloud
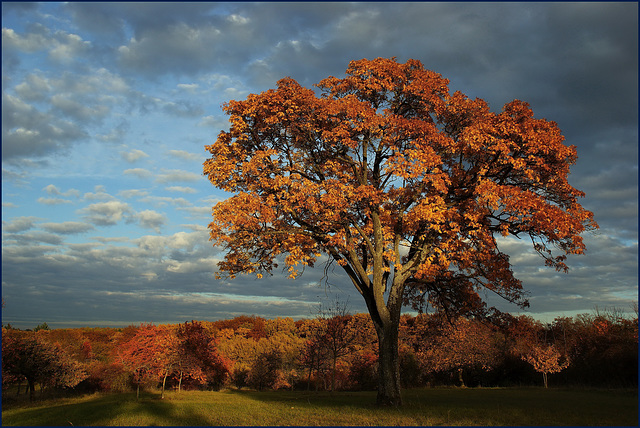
{"x": 174, "y": 38}
{"x": 612, "y": 193}
{"x": 606, "y": 276}
{"x": 19, "y": 7}
{"x": 139, "y": 17}
{"x": 188, "y": 38}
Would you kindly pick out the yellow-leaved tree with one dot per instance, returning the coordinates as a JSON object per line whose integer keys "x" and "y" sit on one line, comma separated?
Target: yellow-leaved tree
{"x": 400, "y": 182}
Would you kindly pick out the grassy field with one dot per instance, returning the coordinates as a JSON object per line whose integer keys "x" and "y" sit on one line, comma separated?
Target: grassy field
{"x": 486, "y": 406}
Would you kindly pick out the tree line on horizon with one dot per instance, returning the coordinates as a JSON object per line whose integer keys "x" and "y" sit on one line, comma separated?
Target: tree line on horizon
{"x": 335, "y": 351}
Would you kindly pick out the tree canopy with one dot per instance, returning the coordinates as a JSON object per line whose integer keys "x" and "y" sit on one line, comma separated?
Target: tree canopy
{"x": 403, "y": 184}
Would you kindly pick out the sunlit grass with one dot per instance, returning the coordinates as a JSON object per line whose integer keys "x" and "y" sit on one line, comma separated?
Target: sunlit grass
{"x": 426, "y": 407}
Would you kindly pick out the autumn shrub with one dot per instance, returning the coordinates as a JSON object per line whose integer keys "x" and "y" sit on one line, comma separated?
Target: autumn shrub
{"x": 197, "y": 353}
{"x": 240, "y": 376}
{"x": 603, "y": 353}
{"x": 410, "y": 373}
{"x": 265, "y": 372}
{"x": 111, "y": 377}
{"x": 363, "y": 371}
{"x": 603, "y": 350}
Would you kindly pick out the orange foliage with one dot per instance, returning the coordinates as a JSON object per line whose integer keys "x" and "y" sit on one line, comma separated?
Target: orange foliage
{"x": 389, "y": 173}
{"x": 150, "y": 354}
{"x": 546, "y": 359}
{"x": 602, "y": 349}
{"x": 459, "y": 345}
{"x": 386, "y": 159}
{"x": 402, "y": 183}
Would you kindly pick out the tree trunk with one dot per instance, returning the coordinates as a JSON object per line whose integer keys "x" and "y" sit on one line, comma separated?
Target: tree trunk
{"x": 32, "y": 388}
{"x": 388, "y": 366}
{"x": 333, "y": 374}
{"x": 180, "y": 382}
{"x": 164, "y": 381}
{"x": 544, "y": 379}
{"x": 460, "y": 377}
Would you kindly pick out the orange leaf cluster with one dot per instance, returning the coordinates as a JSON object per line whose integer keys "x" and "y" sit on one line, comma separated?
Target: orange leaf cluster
{"x": 402, "y": 183}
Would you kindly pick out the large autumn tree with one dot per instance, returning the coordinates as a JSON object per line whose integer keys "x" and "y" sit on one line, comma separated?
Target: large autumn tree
{"x": 403, "y": 184}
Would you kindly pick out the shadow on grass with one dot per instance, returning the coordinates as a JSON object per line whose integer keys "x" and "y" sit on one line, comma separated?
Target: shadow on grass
{"x": 471, "y": 406}
{"x": 103, "y": 410}
{"x": 514, "y": 407}
{"x": 356, "y": 399}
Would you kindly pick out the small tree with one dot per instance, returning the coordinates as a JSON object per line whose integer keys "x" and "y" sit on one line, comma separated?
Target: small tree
{"x": 462, "y": 344}
{"x": 38, "y": 362}
{"x": 314, "y": 358}
{"x": 198, "y": 356}
{"x": 266, "y": 370}
{"x": 43, "y": 326}
{"x": 150, "y": 355}
{"x": 334, "y": 335}
{"x": 546, "y": 359}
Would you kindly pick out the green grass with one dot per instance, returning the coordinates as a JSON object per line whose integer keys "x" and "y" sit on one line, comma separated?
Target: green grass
{"x": 485, "y": 406}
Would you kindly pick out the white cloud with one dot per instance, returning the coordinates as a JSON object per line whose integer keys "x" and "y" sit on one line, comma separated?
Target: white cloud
{"x": 133, "y": 193}
{"x": 33, "y": 237}
{"x": 238, "y": 19}
{"x": 154, "y": 246}
{"x": 61, "y": 111}
{"x": 62, "y": 46}
{"x": 99, "y": 195}
{"x": 207, "y": 265}
{"x": 19, "y": 224}
{"x": 67, "y": 227}
{"x": 53, "y": 201}
{"x": 133, "y": 155}
{"x": 189, "y": 87}
{"x": 32, "y": 42}
{"x": 51, "y": 189}
{"x": 109, "y": 240}
{"x": 138, "y": 172}
{"x": 229, "y": 87}
{"x": 168, "y": 176}
{"x": 150, "y": 219}
{"x": 160, "y": 201}
{"x": 181, "y": 189}
{"x": 106, "y": 213}
{"x": 67, "y": 47}
{"x": 188, "y": 156}
{"x": 198, "y": 212}
{"x": 28, "y": 132}
{"x": 114, "y": 135}
{"x": 34, "y": 88}
{"x": 213, "y": 122}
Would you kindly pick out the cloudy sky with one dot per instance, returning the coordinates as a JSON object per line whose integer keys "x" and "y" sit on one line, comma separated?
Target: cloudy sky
{"x": 107, "y": 107}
